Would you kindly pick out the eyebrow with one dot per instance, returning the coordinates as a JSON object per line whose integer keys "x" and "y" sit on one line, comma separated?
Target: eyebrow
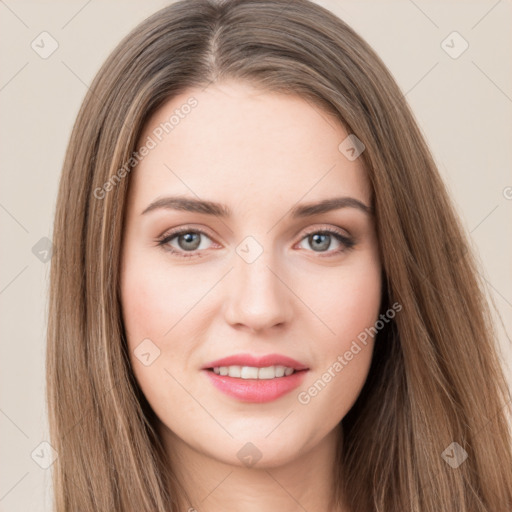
{"x": 213, "y": 208}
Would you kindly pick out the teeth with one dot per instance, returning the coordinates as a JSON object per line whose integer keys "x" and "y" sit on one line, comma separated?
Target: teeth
{"x": 251, "y": 372}
{"x": 248, "y": 372}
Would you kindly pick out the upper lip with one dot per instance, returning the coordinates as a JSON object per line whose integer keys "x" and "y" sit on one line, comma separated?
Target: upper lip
{"x": 256, "y": 361}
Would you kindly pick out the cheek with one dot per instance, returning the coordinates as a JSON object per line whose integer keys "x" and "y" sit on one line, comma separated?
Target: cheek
{"x": 163, "y": 305}
{"x": 144, "y": 307}
{"x": 357, "y": 302}
{"x": 349, "y": 305}
{"x": 348, "y": 300}
{"x": 155, "y": 299}
{"x": 154, "y": 310}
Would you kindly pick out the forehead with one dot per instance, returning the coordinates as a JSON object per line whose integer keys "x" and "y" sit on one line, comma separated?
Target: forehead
{"x": 238, "y": 144}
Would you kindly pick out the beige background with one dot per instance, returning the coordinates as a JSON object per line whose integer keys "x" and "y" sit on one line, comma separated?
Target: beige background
{"x": 463, "y": 105}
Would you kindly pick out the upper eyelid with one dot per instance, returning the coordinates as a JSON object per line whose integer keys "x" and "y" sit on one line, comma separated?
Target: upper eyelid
{"x": 205, "y": 231}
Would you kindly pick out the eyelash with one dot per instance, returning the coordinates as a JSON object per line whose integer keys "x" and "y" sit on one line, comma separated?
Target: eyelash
{"x": 347, "y": 243}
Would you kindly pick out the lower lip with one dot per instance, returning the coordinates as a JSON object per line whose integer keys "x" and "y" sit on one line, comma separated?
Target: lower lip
{"x": 256, "y": 390}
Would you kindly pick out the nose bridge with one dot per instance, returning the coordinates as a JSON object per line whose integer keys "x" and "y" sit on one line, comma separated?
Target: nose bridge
{"x": 257, "y": 297}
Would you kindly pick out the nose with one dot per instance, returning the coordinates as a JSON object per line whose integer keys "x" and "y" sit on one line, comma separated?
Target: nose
{"x": 257, "y": 295}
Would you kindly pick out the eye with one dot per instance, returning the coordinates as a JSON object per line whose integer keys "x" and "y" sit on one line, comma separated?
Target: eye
{"x": 188, "y": 242}
{"x": 321, "y": 241}
{"x": 185, "y": 241}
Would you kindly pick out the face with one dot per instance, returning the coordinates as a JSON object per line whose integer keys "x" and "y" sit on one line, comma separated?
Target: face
{"x": 255, "y": 277}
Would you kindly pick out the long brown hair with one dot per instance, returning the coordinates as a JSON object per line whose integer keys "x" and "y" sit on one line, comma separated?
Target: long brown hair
{"x": 435, "y": 377}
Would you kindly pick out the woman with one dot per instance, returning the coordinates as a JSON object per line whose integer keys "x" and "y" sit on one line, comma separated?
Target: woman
{"x": 261, "y": 296}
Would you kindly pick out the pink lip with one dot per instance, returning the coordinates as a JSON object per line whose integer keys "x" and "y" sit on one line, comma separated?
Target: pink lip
{"x": 257, "y": 362}
{"x": 256, "y": 390}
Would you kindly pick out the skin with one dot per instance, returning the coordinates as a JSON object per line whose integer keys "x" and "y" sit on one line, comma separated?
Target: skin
{"x": 259, "y": 153}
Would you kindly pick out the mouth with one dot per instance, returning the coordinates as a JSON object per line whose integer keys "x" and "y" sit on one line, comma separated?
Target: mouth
{"x": 251, "y": 379}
